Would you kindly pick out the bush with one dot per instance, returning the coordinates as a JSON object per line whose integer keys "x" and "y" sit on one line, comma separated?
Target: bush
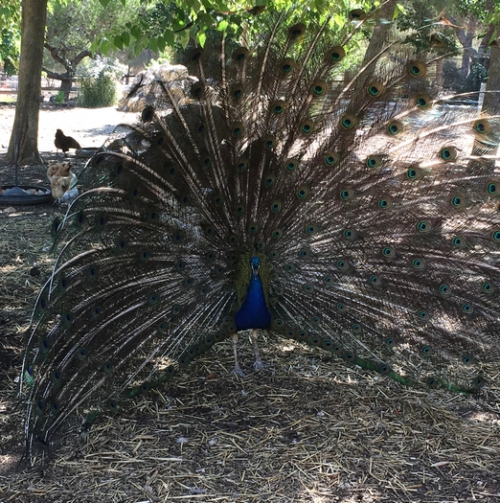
{"x": 478, "y": 74}
{"x": 58, "y": 99}
{"x": 98, "y": 83}
{"x": 97, "y": 92}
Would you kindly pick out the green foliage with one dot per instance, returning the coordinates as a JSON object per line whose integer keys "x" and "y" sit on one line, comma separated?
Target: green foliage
{"x": 98, "y": 92}
{"x": 59, "y": 98}
{"x": 72, "y": 26}
{"x": 485, "y": 10}
{"x": 98, "y": 83}
{"x": 179, "y": 22}
{"x": 9, "y": 50}
{"x": 10, "y": 34}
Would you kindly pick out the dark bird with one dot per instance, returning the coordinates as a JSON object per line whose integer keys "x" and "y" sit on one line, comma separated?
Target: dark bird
{"x": 356, "y": 212}
{"x": 64, "y": 142}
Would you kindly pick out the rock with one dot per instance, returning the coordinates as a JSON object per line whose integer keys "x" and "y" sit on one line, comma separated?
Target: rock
{"x": 142, "y": 90}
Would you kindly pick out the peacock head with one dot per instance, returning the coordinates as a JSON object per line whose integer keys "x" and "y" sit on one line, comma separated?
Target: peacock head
{"x": 255, "y": 263}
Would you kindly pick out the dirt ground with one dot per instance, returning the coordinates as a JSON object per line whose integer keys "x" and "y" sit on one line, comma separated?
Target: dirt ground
{"x": 90, "y": 126}
{"x": 309, "y": 428}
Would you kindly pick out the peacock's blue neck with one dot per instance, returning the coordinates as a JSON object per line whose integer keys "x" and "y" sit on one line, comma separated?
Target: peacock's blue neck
{"x": 254, "y": 312}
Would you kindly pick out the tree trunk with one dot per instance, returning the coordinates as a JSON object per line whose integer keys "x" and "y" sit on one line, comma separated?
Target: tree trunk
{"x": 439, "y": 73}
{"x": 25, "y": 130}
{"x": 70, "y": 65}
{"x": 491, "y": 103}
{"x": 378, "y": 35}
{"x": 66, "y": 85}
{"x": 466, "y": 41}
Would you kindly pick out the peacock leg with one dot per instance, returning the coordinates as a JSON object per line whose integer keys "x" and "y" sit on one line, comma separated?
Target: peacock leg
{"x": 237, "y": 369}
{"x": 258, "y": 364}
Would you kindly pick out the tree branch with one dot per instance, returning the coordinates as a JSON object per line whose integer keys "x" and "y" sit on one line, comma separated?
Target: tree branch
{"x": 80, "y": 56}
{"x": 55, "y": 55}
{"x": 56, "y": 76}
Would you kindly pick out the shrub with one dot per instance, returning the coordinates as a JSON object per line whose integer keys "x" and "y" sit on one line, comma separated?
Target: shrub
{"x": 98, "y": 83}
{"x": 97, "y": 92}
{"x": 58, "y": 99}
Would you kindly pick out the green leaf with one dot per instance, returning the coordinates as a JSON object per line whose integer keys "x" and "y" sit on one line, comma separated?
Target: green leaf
{"x": 94, "y": 46}
{"x": 169, "y": 37}
{"x": 161, "y": 43}
{"x": 178, "y": 24}
{"x": 183, "y": 38}
{"x": 206, "y": 20}
{"x": 207, "y": 5}
{"x": 399, "y": 10}
{"x": 223, "y": 25}
{"x": 194, "y": 5}
{"x": 136, "y": 31}
{"x": 153, "y": 45}
{"x": 338, "y": 20}
{"x": 138, "y": 48}
{"x": 126, "y": 38}
{"x": 105, "y": 47}
{"x": 104, "y": 3}
{"x": 202, "y": 37}
{"x": 118, "y": 42}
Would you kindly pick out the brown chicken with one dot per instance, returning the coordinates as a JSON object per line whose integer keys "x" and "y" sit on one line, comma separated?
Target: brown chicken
{"x": 64, "y": 142}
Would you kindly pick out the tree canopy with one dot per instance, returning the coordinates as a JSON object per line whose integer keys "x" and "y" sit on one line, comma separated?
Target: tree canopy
{"x": 78, "y": 28}
{"x": 10, "y": 34}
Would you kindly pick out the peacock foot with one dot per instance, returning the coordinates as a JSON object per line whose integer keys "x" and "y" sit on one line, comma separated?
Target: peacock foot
{"x": 238, "y": 371}
{"x": 258, "y": 364}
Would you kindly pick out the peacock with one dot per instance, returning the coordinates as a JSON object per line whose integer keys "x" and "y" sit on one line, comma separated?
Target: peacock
{"x": 353, "y": 210}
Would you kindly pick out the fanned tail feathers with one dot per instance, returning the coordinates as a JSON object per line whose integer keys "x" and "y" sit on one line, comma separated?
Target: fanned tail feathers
{"x": 369, "y": 202}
